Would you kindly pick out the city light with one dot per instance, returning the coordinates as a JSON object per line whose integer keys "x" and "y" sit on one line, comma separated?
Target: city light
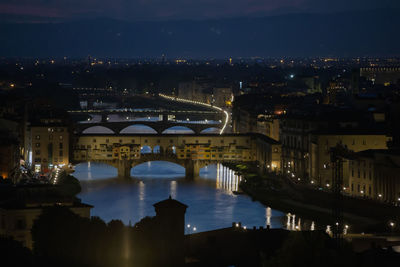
{"x": 202, "y": 104}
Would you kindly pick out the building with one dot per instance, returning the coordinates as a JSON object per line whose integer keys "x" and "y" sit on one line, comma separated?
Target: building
{"x": 268, "y": 125}
{"x": 321, "y": 142}
{"x": 222, "y": 96}
{"x": 48, "y": 144}
{"x": 9, "y": 155}
{"x": 374, "y": 174}
{"x": 231, "y": 152}
{"x": 244, "y": 121}
{"x": 18, "y": 214}
{"x": 126, "y": 152}
{"x": 381, "y": 75}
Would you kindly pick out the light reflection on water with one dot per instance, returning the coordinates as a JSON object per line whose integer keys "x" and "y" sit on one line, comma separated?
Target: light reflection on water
{"x": 212, "y": 204}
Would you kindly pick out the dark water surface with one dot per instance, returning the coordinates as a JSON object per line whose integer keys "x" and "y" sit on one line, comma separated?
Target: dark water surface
{"x": 212, "y": 204}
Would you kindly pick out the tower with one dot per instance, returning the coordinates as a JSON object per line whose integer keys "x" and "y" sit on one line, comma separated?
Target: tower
{"x": 170, "y": 215}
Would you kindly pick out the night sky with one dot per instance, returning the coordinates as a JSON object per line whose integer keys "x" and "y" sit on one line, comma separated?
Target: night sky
{"x": 180, "y": 9}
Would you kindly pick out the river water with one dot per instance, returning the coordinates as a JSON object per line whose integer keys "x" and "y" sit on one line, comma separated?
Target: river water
{"x": 212, "y": 204}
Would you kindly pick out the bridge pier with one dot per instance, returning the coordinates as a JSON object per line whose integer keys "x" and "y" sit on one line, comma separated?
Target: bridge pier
{"x": 192, "y": 168}
{"x": 124, "y": 169}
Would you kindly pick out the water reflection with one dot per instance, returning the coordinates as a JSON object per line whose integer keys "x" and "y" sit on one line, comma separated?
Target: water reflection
{"x": 212, "y": 204}
{"x": 227, "y": 179}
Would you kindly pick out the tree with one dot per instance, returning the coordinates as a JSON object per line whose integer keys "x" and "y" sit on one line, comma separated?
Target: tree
{"x": 69, "y": 185}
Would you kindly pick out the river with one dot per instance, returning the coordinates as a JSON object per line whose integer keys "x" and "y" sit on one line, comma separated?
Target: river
{"x": 212, "y": 204}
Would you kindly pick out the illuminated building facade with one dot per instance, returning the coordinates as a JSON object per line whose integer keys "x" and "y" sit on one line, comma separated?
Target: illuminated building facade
{"x": 321, "y": 142}
{"x": 48, "y": 145}
{"x": 374, "y": 174}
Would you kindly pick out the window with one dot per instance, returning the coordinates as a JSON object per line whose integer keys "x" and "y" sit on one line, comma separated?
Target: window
{"x": 37, "y": 137}
{"x": 37, "y": 144}
{"x": 50, "y": 137}
{"x": 60, "y": 145}
{"x": 364, "y": 142}
{"x": 352, "y": 187}
{"x": 358, "y": 188}
{"x": 107, "y": 141}
{"x": 60, "y": 137}
{"x": 37, "y": 152}
{"x": 133, "y": 140}
{"x": 94, "y": 140}
{"x": 120, "y": 140}
{"x": 60, "y": 153}
{"x": 222, "y": 141}
{"x": 352, "y": 172}
{"x": 354, "y": 142}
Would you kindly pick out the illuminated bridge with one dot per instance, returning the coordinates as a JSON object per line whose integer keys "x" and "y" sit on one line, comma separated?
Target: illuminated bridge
{"x": 158, "y": 126}
{"x": 188, "y": 150}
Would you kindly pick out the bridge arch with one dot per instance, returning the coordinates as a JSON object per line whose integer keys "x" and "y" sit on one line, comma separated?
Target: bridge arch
{"x": 158, "y": 168}
{"x": 146, "y": 149}
{"x": 97, "y": 130}
{"x": 138, "y": 128}
{"x": 178, "y": 130}
{"x": 211, "y": 130}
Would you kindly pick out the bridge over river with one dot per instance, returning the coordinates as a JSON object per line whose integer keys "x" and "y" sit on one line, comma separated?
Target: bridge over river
{"x": 188, "y": 150}
{"x": 158, "y": 126}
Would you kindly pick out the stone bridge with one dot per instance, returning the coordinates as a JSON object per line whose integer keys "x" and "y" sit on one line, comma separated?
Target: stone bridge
{"x": 98, "y": 148}
{"x": 158, "y": 126}
{"x": 192, "y": 167}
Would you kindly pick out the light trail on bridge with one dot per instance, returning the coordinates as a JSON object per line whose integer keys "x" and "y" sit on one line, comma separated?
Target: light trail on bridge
{"x": 201, "y": 104}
